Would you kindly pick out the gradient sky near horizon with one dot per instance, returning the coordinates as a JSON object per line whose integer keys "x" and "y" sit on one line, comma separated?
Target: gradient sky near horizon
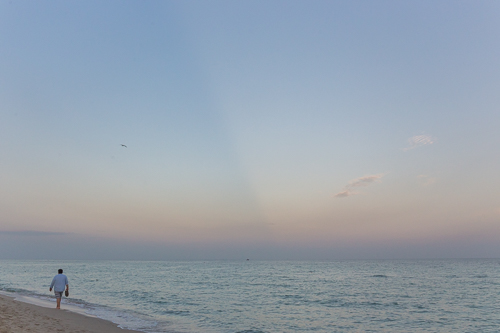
{"x": 253, "y": 129}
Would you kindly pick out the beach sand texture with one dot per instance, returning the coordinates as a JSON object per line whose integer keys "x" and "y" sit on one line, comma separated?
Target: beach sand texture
{"x": 19, "y": 317}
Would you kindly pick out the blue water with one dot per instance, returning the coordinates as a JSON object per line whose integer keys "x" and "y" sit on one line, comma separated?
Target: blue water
{"x": 263, "y": 296}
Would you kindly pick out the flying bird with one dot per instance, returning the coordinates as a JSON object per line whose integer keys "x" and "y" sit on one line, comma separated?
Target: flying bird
{"x": 124, "y": 146}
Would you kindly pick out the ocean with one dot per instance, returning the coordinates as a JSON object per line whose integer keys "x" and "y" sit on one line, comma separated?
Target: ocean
{"x": 272, "y": 296}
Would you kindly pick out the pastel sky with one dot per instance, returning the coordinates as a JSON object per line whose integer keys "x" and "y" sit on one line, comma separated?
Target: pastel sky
{"x": 251, "y": 129}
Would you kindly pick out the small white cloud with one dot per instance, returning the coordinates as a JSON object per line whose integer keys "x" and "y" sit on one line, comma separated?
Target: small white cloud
{"x": 343, "y": 194}
{"x": 358, "y": 182}
{"x": 418, "y": 141}
{"x": 426, "y": 180}
{"x": 365, "y": 180}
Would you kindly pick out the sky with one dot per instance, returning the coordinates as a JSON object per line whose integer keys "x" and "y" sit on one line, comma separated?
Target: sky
{"x": 269, "y": 130}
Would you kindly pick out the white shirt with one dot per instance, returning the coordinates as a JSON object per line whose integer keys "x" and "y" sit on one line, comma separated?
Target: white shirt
{"x": 59, "y": 282}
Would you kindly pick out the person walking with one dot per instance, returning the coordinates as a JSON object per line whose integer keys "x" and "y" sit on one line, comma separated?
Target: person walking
{"x": 60, "y": 283}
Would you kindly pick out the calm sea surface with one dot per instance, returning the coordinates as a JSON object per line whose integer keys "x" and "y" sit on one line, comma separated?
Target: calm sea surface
{"x": 264, "y": 296}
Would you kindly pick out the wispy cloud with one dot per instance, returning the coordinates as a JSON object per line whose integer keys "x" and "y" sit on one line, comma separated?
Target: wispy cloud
{"x": 364, "y": 181}
{"x": 418, "y": 141}
{"x": 426, "y": 180}
{"x": 31, "y": 233}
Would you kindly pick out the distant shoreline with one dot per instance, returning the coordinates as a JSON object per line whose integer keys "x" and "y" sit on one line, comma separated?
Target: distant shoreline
{"x": 17, "y": 316}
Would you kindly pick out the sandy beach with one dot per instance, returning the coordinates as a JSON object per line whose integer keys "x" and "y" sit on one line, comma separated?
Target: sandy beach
{"x": 20, "y": 317}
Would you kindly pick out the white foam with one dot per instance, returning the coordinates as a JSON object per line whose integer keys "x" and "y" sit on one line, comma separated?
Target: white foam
{"x": 124, "y": 320}
{"x": 46, "y": 303}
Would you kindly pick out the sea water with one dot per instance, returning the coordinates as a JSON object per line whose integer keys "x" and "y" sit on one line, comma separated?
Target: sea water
{"x": 266, "y": 296}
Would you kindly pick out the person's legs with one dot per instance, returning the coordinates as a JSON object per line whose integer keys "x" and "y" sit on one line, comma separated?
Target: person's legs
{"x": 58, "y": 295}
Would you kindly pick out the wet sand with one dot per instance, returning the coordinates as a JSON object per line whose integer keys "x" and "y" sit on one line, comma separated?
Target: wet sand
{"x": 20, "y": 317}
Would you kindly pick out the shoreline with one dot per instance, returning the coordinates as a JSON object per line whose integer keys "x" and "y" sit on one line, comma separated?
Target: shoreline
{"x": 20, "y": 317}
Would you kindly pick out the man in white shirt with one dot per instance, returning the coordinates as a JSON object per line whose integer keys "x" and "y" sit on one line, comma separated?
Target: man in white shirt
{"x": 60, "y": 283}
